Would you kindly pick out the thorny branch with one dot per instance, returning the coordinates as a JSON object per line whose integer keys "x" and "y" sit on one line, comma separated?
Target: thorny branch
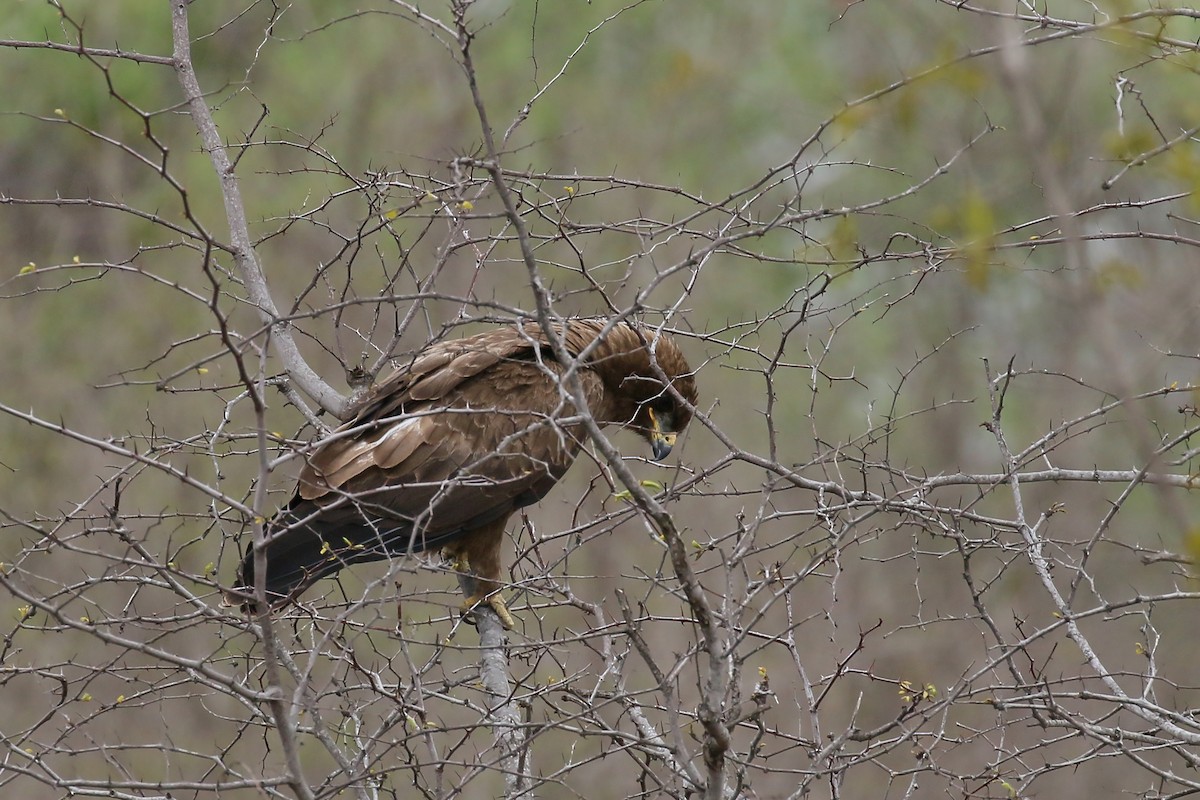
{"x": 838, "y": 590}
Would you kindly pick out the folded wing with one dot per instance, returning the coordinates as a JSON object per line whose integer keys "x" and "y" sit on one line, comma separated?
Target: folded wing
{"x": 455, "y": 444}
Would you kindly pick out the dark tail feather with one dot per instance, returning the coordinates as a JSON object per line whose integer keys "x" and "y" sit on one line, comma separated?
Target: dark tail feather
{"x": 305, "y": 547}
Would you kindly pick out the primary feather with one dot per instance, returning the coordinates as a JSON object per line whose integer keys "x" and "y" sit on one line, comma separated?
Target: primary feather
{"x": 442, "y": 452}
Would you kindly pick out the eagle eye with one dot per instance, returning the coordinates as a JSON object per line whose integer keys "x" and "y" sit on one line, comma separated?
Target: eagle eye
{"x": 662, "y": 414}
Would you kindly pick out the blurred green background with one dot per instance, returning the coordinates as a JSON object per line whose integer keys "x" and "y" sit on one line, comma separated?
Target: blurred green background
{"x": 648, "y": 135}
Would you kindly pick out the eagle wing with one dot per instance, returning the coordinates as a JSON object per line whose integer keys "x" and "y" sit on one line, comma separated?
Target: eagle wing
{"x": 446, "y": 448}
{"x": 395, "y": 421}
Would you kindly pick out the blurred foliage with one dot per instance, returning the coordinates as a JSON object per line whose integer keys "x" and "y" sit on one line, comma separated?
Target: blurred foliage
{"x": 347, "y": 122}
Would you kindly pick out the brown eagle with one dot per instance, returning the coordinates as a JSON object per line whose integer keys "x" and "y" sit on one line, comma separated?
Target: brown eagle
{"x": 442, "y": 452}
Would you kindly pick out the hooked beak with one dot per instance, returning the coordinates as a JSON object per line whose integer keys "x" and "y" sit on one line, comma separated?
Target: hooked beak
{"x": 661, "y": 441}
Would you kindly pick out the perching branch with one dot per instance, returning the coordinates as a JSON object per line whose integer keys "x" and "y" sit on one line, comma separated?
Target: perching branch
{"x": 504, "y": 714}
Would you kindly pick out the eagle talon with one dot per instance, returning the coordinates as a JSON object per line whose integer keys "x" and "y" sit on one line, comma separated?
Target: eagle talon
{"x": 497, "y": 604}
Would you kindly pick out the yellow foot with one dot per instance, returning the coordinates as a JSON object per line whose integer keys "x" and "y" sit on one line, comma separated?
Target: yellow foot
{"x": 496, "y": 601}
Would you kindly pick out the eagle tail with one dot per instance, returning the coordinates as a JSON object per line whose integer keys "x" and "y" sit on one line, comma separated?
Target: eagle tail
{"x": 304, "y": 547}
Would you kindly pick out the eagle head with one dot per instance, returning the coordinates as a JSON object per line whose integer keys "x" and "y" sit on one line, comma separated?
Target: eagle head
{"x": 651, "y": 388}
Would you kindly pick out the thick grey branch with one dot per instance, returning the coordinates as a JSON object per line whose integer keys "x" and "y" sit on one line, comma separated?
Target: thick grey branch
{"x": 504, "y": 716}
{"x": 239, "y": 231}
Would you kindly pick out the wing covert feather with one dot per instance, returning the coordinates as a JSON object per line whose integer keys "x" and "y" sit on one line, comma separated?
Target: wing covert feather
{"x": 402, "y": 440}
